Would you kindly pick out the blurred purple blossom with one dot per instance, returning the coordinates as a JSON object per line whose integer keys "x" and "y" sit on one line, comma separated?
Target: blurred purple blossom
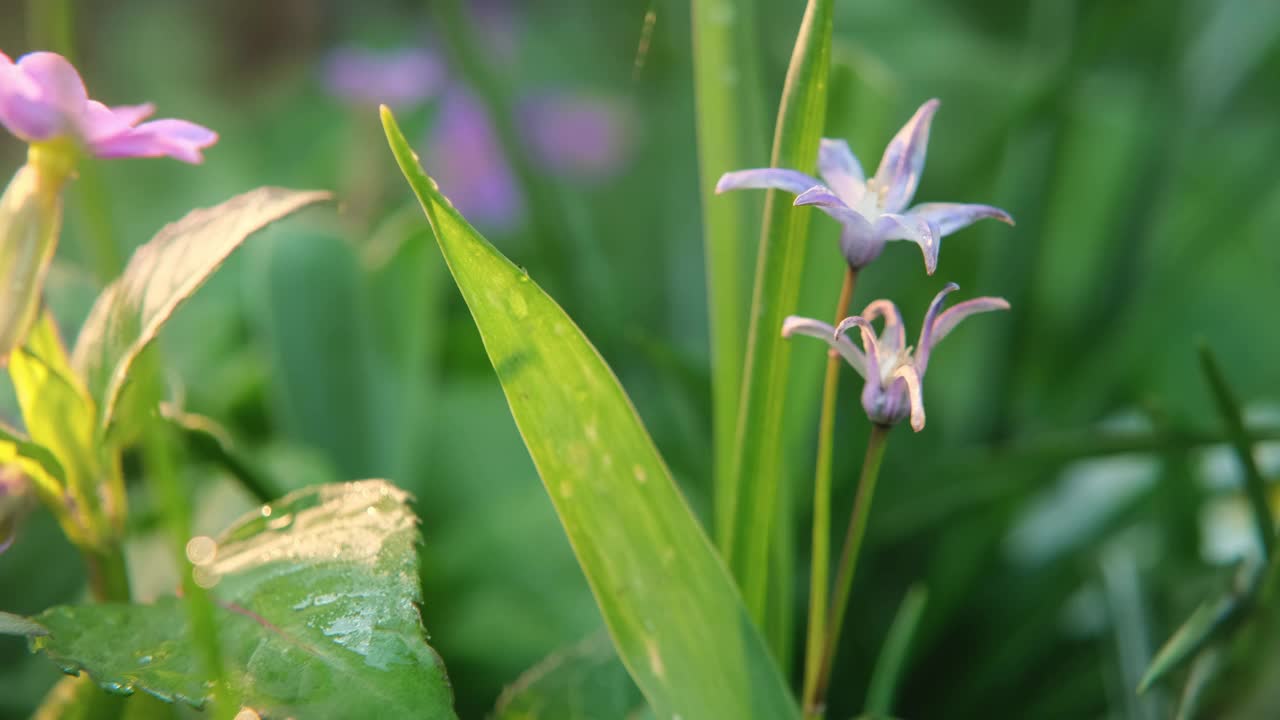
{"x": 894, "y": 374}
{"x": 400, "y": 78}
{"x": 42, "y": 99}
{"x": 873, "y": 211}
{"x": 465, "y": 157}
{"x": 574, "y": 135}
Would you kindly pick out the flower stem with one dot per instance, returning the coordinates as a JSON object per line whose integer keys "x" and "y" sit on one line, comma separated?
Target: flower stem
{"x": 821, "y": 543}
{"x": 815, "y": 705}
{"x": 108, "y": 578}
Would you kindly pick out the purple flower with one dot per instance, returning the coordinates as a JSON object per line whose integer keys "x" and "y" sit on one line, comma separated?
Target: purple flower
{"x": 893, "y": 372}
{"x": 466, "y": 158}
{"x": 401, "y": 78}
{"x": 43, "y": 99}
{"x": 578, "y": 135}
{"x": 872, "y": 212}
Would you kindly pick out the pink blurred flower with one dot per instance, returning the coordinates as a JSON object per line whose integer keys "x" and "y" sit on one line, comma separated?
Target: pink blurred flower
{"x": 43, "y": 99}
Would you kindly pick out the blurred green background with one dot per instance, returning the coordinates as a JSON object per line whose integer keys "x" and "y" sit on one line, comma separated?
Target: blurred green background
{"x": 1068, "y": 504}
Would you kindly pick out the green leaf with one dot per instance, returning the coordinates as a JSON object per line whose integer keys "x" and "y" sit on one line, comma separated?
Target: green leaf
{"x": 317, "y": 611}
{"x": 159, "y": 276}
{"x": 59, "y": 416}
{"x": 731, "y": 136}
{"x": 582, "y": 682}
{"x": 672, "y": 609}
{"x": 1206, "y": 623}
{"x": 896, "y": 651}
{"x": 11, "y": 624}
{"x": 745, "y": 538}
{"x": 1255, "y": 485}
{"x": 36, "y": 460}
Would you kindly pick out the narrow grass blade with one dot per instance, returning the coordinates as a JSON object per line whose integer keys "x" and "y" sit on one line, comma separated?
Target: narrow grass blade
{"x": 731, "y": 136}
{"x": 887, "y": 675}
{"x": 1254, "y": 484}
{"x": 671, "y": 608}
{"x": 753, "y": 492}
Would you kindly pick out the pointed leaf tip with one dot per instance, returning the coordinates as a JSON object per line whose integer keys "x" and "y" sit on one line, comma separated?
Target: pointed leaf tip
{"x": 11, "y": 624}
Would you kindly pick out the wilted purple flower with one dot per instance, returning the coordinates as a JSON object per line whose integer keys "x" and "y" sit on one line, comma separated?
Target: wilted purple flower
{"x": 43, "y": 99}
{"x": 871, "y": 212}
{"x": 400, "y": 78}
{"x": 893, "y": 372}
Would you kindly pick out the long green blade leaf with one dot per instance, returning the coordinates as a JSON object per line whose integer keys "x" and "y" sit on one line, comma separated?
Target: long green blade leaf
{"x": 731, "y": 136}
{"x": 163, "y": 273}
{"x": 779, "y": 266}
{"x": 670, "y": 606}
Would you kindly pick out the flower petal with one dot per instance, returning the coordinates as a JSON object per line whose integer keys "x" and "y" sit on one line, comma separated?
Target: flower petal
{"x": 894, "y": 336}
{"x": 950, "y": 217}
{"x": 870, "y": 345}
{"x": 794, "y": 324}
{"x": 840, "y": 169}
{"x": 914, "y": 228}
{"x": 469, "y": 163}
{"x": 908, "y": 374}
{"x": 903, "y": 161}
{"x": 41, "y": 97}
{"x": 938, "y": 325}
{"x": 792, "y": 181}
{"x": 100, "y": 122}
{"x": 858, "y": 239}
{"x": 178, "y": 139}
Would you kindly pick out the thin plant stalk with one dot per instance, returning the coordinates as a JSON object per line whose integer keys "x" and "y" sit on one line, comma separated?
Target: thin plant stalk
{"x": 815, "y": 705}
{"x": 821, "y": 554}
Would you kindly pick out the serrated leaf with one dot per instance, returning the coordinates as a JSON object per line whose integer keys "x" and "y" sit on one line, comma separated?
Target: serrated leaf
{"x": 670, "y": 605}
{"x": 582, "y": 682}
{"x": 1205, "y": 624}
{"x": 317, "y": 612}
{"x": 160, "y": 275}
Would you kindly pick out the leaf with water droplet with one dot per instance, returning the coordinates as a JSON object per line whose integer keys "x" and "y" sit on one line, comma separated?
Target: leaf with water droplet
{"x": 694, "y": 652}
{"x": 317, "y": 617}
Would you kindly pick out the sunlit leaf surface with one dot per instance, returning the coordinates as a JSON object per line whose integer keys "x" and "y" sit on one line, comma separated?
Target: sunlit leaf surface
{"x": 163, "y": 273}
{"x": 671, "y": 607}
{"x": 317, "y": 601}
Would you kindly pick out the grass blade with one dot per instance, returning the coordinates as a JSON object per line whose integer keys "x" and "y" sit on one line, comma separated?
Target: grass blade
{"x": 731, "y": 136}
{"x": 1254, "y": 484}
{"x": 897, "y": 649}
{"x": 753, "y": 491}
{"x": 670, "y": 606}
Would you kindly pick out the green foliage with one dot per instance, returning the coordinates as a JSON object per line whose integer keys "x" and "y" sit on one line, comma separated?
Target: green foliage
{"x": 757, "y": 466}
{"x": 693, "y": 652}
{"x": 162, "y": 274}
{"x": 582, "y": 682}
{"x": 317, "y": 612}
